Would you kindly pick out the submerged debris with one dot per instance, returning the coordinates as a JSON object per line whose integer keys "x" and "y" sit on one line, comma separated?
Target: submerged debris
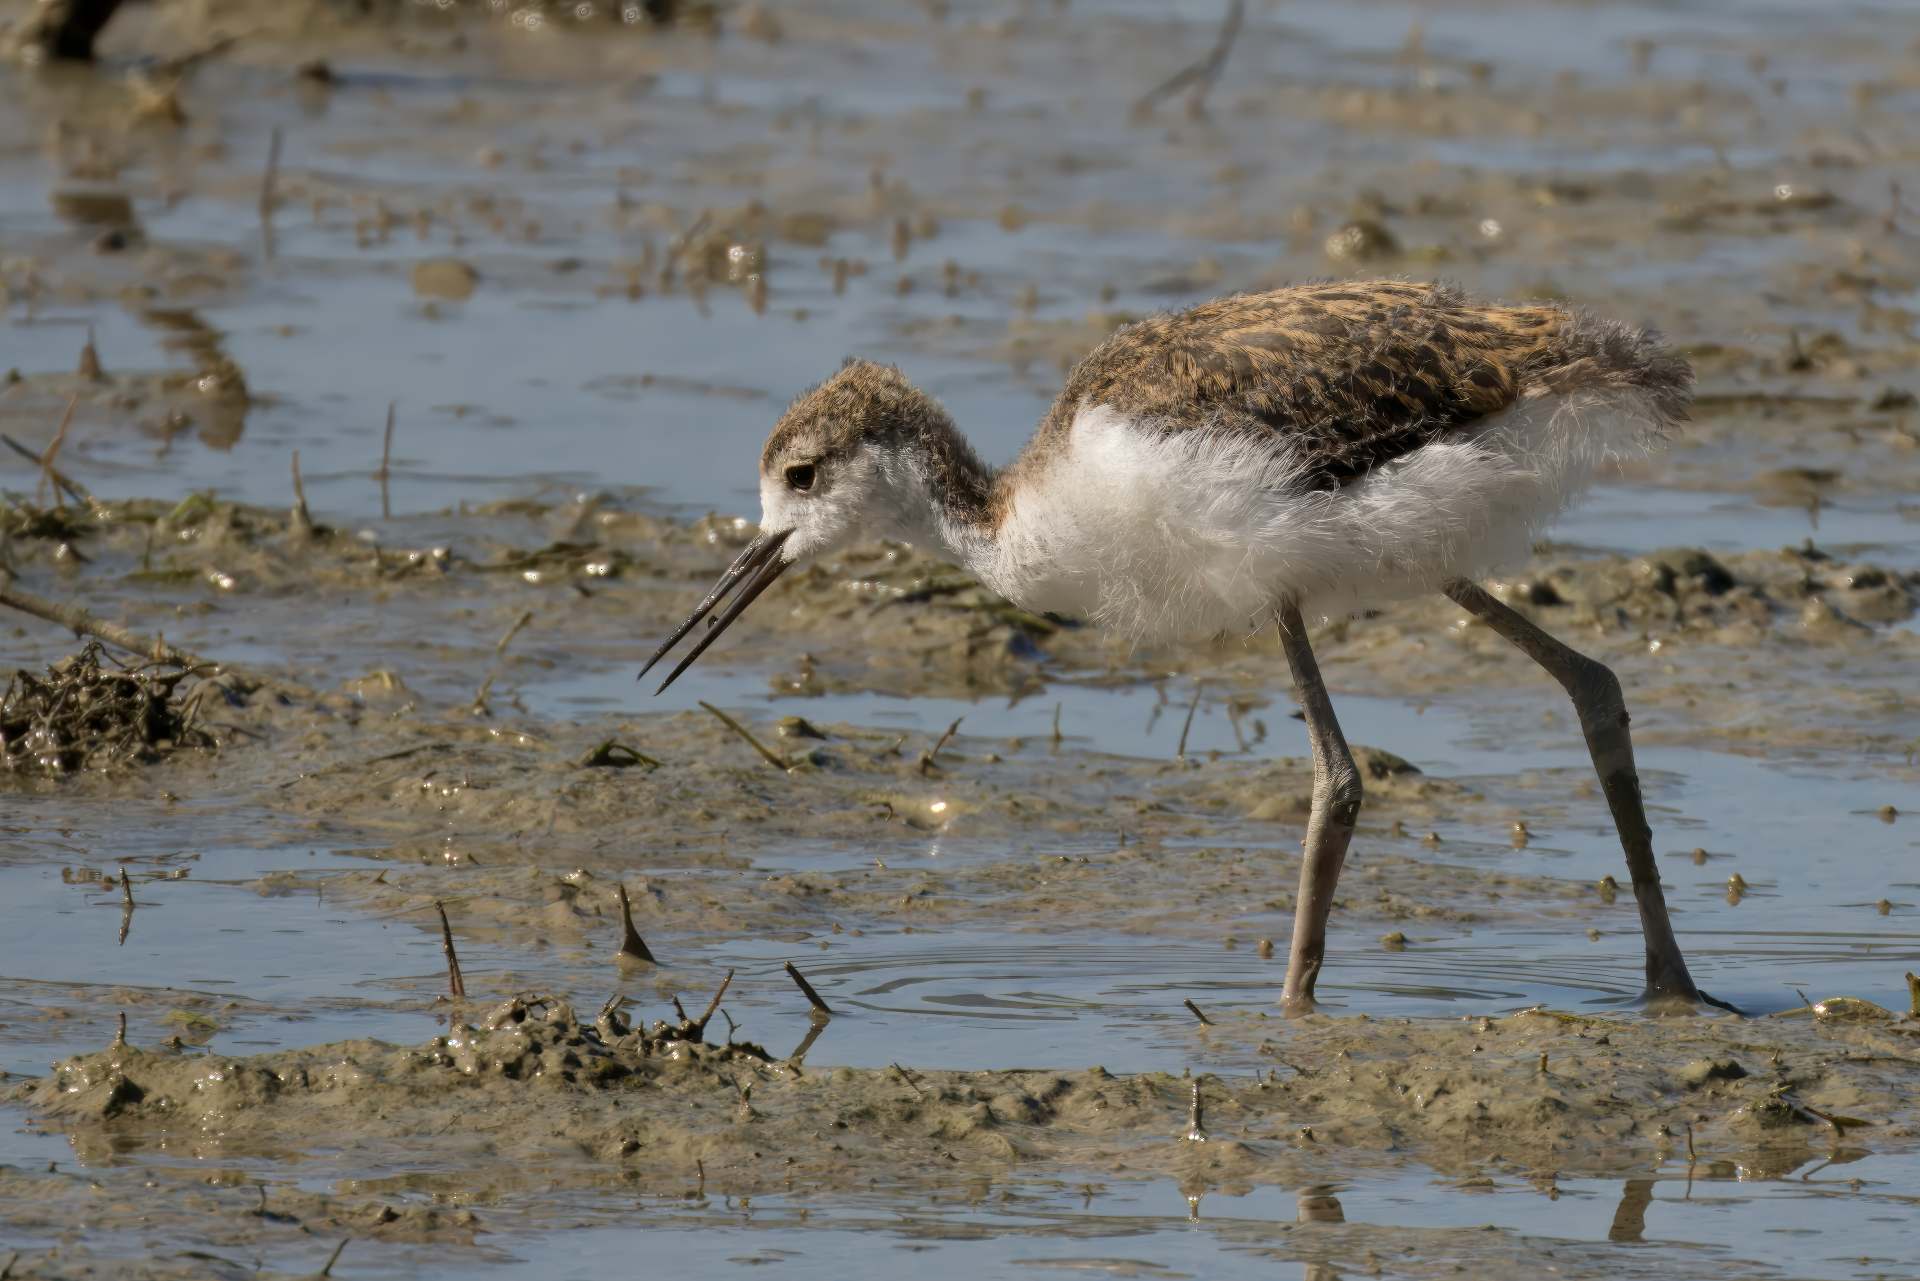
{"x": 90, "y": 712}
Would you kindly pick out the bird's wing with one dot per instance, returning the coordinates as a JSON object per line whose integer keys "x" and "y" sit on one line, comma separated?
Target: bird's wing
{"x": 1351, "y": 375}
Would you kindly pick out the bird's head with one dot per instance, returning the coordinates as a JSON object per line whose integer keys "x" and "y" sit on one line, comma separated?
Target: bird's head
{"x": 863, "y": 453}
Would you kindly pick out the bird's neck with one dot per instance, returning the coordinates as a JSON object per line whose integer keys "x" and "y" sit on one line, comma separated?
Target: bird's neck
{"x": 944, "y": 498}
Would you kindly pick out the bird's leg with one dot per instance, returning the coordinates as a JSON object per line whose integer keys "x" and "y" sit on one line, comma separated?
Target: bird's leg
{"x": 1336, "y": 804}
{"x": 1596, "y": 696}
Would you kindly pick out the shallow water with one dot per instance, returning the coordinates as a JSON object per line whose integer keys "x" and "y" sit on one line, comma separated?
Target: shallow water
{"x": 554, "y": 165}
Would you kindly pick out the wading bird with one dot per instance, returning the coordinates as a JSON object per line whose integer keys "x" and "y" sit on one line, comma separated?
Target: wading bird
{"x": 1263, "y": 457}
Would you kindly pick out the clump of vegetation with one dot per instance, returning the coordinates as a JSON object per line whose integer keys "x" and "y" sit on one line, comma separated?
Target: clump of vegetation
{"x": 92, "y": 712}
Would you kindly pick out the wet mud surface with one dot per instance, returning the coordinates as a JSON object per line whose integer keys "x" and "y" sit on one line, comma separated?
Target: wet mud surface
{"x": 588, "y": 264}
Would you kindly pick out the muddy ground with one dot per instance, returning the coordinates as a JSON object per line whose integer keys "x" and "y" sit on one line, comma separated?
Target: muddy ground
{"x": 591, "y": 259}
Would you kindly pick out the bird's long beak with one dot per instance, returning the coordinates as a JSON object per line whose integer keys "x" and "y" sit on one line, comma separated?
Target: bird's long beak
{"x": 751, "y": 573}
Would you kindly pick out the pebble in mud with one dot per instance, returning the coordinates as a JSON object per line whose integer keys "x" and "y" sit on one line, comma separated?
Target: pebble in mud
{"x": 448, "y": 279}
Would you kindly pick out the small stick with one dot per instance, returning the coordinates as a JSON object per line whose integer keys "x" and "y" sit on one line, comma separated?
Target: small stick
{"x": 1180, "y": 752}
{"x": 120, "y": 1037}
{"x": 820, "y": 1008}
{"x": 76, "y": 619}
{"x": 927, "y": 762}
{"x": 1196, "y": 1128}
{"x": 126, "y": 888}
{"x": 499, "y": 650}
{"x": 1202, "y": 74}
{"x": 49, "y": 475}
{"x": 701, "y": 1024}
{"x": 335, "y": 1256}
{"x": 500, "y": 647}
{"x": 59, "y": 478}
{"x": 631, "y": 944}
{"x": 908, "y": 1078}
{"x": 455, "y": 984}
{"x": 302, "y": 518}
{"x": 765, "y": 753}
{"x": 1913, "y": 994}
{"x": 386, "y": 457}
{"x": 1056, "y": 723}
{"x": 1204, "y": 1020}
{"x": 1691, "y": 1158}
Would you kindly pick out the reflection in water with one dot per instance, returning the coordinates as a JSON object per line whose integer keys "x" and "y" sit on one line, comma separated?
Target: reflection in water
{"x": 1630, "y": 1217}
{"x": 219, "y": 395}
{"x": 1319, "y": 1205}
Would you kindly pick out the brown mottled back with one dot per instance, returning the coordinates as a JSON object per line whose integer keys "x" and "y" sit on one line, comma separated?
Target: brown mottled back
{"x": 1354, "y": 374}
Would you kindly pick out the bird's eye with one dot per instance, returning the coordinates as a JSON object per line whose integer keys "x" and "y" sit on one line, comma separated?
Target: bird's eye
{"x": 800, "y": 477}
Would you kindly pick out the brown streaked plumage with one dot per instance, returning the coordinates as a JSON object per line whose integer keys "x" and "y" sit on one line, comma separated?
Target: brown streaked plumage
{"x": 1237, "y": 462}
{"x": 1351, "y": 375}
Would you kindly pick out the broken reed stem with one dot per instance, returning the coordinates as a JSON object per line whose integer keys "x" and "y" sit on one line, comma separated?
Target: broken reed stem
{"x": 766, "y": 753}
{"x": 456, "y": 985}
{"x": 126, "y": 888}
{"x": 631, "y": 944}
{"x": 499, "y": 651}
{"x": 820, "y": 1008}
{"x": 1180, "y": 752}
{"x": 1202, "y": 74}
{"x": 1691, "y": 1158}
{"x": 714, "y": 1004}
{"x": 48, "y": 472}
{"x": 335, "y": 1256}
{"x": 49, "y": 476}
{"x": 927, "y": 762}
{"x": 76, "y": 619}
{"x": 908, "y": 1078}
{"x": 501, "y": 646}
{"x": 1056, "y": 723}
{"x": 1196, "y": 1127}
{"x": 1204, "y": 1020}
{"x": 386, "y": 458}
{"x": 1913, "y": 994}
{"x": 302, "y": 519}
{"x": 120, "y": 1037}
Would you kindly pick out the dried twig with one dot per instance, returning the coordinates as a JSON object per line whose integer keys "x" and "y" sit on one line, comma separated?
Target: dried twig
{"x": 1913, "y": 994}
{"x": 301, "y": 519}
{"x": 386, "y": 459}
{"x": 766, "y": 753}
{"x": 126, "y": 888}
{"x": 499, "y": 652}
{"x": 334, "y": 1258}
{"x": 821, "y": 1010}
{"x": 74, "y": 489}
{"x": 700, "y": 1024}
{"x": 908, "y": 1078}
{"x": 1199, "y": 77}
{"x": 1204, "y": 1020}
{"x": 927, "y": 761}
{"x": 1196, "y": 1126}
{"x": 120, "y": 1037}
{"x": 631, "y": 944}
{"x": 78, "y": 620}
{"x": 456, "y": 985}
{"x": 53, "y": 448}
